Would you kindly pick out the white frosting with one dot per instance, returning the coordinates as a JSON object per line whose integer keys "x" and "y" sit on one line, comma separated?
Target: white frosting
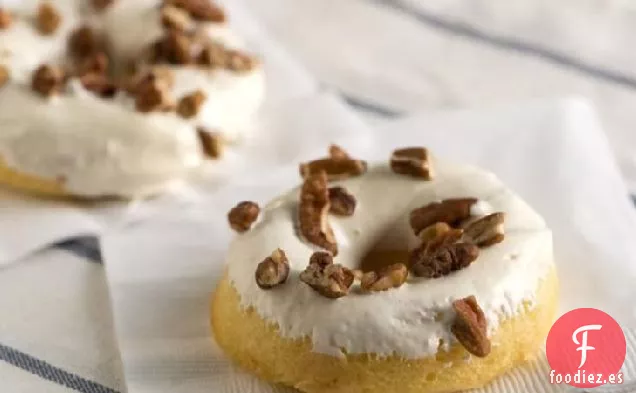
{"x": 103, "y": 146}
{"x": 232, "y": 97}
{"x": 400, "y": 321}
{"x": 97, "y": 147}
{"x": 23, "y": 48}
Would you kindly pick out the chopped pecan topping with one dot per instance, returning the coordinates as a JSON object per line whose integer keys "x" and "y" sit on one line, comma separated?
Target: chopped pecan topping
{"x": 174, "y": 48}
{"x": 102, "y": 4}
{"x": 175, "y": 18}
{"x": 211, "y": 142}
{"x": 94, "y": 64}
{"x": 48, "y": 19}
{"x": 201, "y": 10}
{"x": 342, "y": 203}
{"x": 412, "y": 161}
{"x": 328, "y": 279}
{"x": 470, "y": 326}
{"x": 82, "y": 42}
{"x": 190, "y": 104}
{"x": 5, "y": 19}
{"x": 239, "y": 62}
{"x": 450, "y": 211}
{"x": 4, "y": 75}
{"x": 47, "y": 80}
{"x": 338, "y": 153}
{"x": 335, "y": 169}
{"x": 312, "y": 213}
{"x": 392, "y": 276}
{"x": 151, "y": 94}
{"x": 243, "y": 215}
{"x": 444, "y": 260}
{"x": 99, "y": 84}
{"x": 212, "y": 55}
{"x": 434, "y": 231}
{"x": 273, "y": 270}
{"x": 486, "y": 231}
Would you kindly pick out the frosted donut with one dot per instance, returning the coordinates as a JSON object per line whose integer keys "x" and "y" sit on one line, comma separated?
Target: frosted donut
{"x": 416, "y": 299}
{"x": 77, "y": 123}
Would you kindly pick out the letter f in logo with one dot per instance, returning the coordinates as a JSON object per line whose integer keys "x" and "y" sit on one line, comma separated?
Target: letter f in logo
{"x": 584, "y": 347}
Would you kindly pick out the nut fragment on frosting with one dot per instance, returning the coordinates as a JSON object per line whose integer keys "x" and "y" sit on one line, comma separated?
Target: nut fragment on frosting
{"x": 486, "y": 231}
{"x": 445, "y": 260}
{"x": 5, "y": 19}
{"x": 342, "y": 202}
{"x": 175, "y": 18}
{"x": 189, "y": 105}
{"x": 470, "y": 326}
{"x": 82, "y": 42}
{"x": 47, "y": 80}
{"x": 201, "y": 10}
{"x": 99, "y": 84}
{"x": 412, "y": 161}
{"x": 48, "y": 19}
{"x": 211, "y": 143}
{"x": 328, "y": 279}
{"x": 4, "y": 75}
{"x": 338, "y": 153}
{"x": 243, "y": 215}
{"x": 312, "y": 213}
{"x": 273, "y": 270}
{"x": 152, "y": 94}
{"x": 174, "y": 47}
{"x": 450, "y": 211}
{"x": 392, "y": 276}
{"x": 238, "y": 61}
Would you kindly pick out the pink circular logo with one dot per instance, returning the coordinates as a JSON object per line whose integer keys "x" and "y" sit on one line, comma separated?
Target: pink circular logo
{"x": 586, "y": 348}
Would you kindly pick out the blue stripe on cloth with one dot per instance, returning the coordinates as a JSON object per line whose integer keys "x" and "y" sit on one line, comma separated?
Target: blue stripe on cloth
{"x": 87, "y": 247}
{"x": 511, "y": 43}
{"x": 49, "y": 372}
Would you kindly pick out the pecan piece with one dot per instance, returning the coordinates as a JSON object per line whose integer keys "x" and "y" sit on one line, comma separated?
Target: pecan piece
{"x": 338, "y": 153}
{"x": 96, "y": 63}
{"x": 470, "y": 326}
{"x": 173, "y": 48}
{"x": 433, "y": 231}
{"x": 48, "y": 19}
{"x": 312, "y": 213}
{"x": 239, "y": 62}
{"x": 99, "y": 84}
{"x": 151, "y": 94}
{"x": 392, "y": 276}
{"x": 434, "y": 237}
{"x": 335, "y": 169}
{"x": 102, "y": 4}
{"x": 211, "y": 143}
{"x": 486, "y": 231}
{"x": 328, "y": 279}
{"x": 243, "y": 215}
{"x": 82, "y": 42}
{"x": 47, "y": 80}
{"x": 342, "y": 202}
{"x": 273, "y": 270}
{"x": 201, "y": 10}
{"x": 450, "y": 211}
{"x": 4, "y": 75}
{"x": 412, "y": 161}
{"x": 175, "y": 18}
{"x": 5, "y": 19}
{"x": 213, "y": 55}
{"x": 189, "y": 105}
{"x": 445, "y": 260}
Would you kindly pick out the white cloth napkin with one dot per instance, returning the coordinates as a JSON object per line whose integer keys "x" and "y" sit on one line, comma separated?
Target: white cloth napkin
{"x": 395, "y": 57}
{"x": 162, "y": 270}
{"x": 280, "y": 133}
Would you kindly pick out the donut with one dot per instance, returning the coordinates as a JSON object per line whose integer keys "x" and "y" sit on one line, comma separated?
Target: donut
{"x": 412, "y": 275}
{"x": 119, "y": 98}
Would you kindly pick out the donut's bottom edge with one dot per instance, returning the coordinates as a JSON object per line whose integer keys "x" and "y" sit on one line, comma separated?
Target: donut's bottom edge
{"x": 256, "y": 346}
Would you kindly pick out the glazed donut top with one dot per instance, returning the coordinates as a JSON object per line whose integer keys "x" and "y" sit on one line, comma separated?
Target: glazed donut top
{"x": 411, "y": 318}
{"x": 72, "y": 111}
